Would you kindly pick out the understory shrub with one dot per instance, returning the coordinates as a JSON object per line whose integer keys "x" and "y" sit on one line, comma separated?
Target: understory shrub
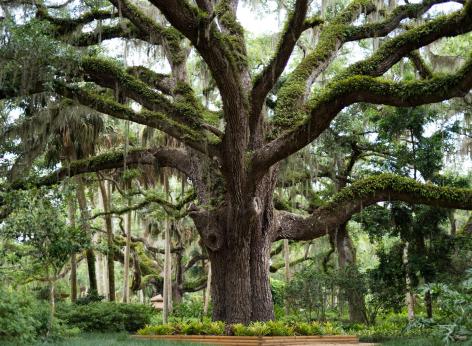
{"x": 270, "y": 328}
{"x": 106, "y": 316}
{"x": 190, "y": 308}
{"x": 24, "y": 319}
{"x": 18, "y": 316}
{"x": 184, "y": 328}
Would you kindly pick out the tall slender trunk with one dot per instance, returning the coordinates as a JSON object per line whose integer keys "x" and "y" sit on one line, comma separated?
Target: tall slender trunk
{"x": 106, "y": 198}
{"x": 409, "y": 295}
{"x": 52, "y": 302}
{"x": 73, "y": 258}
{"x": 287, "y": 267}
{"x": 420, "y": 248}
{"x": 167, "y": 289}
{"x": 452, "y": 221}
{"x": 287, "y": 260}
{"x": 85, "y": 216}
{"x": 347, "y": 261}
{"x": 178, "y": 287}
{"x": 127, "y": 257}
{"x": 207, "y": 291}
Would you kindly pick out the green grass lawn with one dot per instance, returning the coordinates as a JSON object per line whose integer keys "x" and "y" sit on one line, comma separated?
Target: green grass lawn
{"x": 110, "y": 339}
{"x": 414, "y": 342}
{"x": 121, "y": 339}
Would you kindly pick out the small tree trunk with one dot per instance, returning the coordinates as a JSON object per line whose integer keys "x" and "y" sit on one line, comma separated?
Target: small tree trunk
{"x": 287, "y": 267}
{"x": 106, "y": 198}
{"x": 73, "y": 278}
{"x": 85, "y": 216}
{"x": 52, "y": 303}
{"x": 452, "y": 221}
{"x": 428, "y": 300}
{"x": 347, "y": 259}
{"x": 207, "y": 291}
{"x": 178, "y": 287}
{"x": 409, "y": 296}
{"x": 127, "y": 258}
{"x": 167, "y": 291}
{"x": 73, "y": 258}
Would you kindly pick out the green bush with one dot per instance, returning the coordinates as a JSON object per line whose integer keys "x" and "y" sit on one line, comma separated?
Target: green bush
{"x": 190, "y": 308}
{"x": 106, "y": 316}
{"x": 270, "y": 328}
{"x": 92, "y": 297}
{"x": 307, "y": 329}
{"x": 159, "y": 329}
{"x": 186, "y": 328}
{"x": 18, "y": 316}
{"x": 24, "y": 318}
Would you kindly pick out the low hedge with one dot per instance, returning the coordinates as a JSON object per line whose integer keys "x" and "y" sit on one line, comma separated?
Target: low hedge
{"x": 271, "y": 328}
{"x": 106, "y": 316}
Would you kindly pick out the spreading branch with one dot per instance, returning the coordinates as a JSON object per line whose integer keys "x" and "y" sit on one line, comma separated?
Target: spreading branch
{"x": 362, "y": 89}
{"x": 163, "y": 157}
{"x": 352, "y": 199}
{"x": 271, "y": 73}
{"x": 190, "y": 136}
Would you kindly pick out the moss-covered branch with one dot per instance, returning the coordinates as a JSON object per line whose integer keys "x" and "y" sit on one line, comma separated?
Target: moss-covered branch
{"x": 420, "y": 65}
{"x": 164, "y": 157}
{"x": 195, "y": 138}
{"x": 391, "y": 22}
{"x": 106, "y": 73}
{"x": 161, "y": 82}
{"x": 365, "y": 192}
{"x": 295, "y": 90}
{"x": 64, "y": 26}
{"x": 277, "y": 266}
{"x": 271, "y": 73}
{"x": 124, "y": 29}
{"x": 394, "y": 49}
{"x": 326, "y": 106}
{"x": 171, "y": 208}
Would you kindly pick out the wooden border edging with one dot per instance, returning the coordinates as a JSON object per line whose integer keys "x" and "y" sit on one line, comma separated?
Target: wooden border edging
{"x": 257, "y": 340}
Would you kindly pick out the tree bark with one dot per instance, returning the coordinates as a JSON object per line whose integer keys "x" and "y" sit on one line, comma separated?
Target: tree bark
{"x": 178, "y": 287}
{"x": 106, "y": 198}
{"x": 238, "y": 239}
{"x": 207, "y": 291}
{"x": 127, "y": 257}
{"x": 410, "y": 303}
{"x": 52, "y": 303}
{"x": 167, "y": 291}
{"x": 84, "y": 214}
{"x": 347, "y": 259}
{"x": 73, "y": 258}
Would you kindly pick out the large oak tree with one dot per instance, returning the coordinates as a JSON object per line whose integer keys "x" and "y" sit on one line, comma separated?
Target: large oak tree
{"x": 233, "y": 162}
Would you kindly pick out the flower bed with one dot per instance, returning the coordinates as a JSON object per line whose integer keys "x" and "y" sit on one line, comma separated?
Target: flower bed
{"x": 269, "y": 333}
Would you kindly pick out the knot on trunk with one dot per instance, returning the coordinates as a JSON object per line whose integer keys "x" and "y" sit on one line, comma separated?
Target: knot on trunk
{"x": 208, "y": 225}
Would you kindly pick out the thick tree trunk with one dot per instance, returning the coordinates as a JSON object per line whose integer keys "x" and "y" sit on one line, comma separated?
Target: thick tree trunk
{"x": 84, "y": 213}
{"x": 346, "y": 259}
{"x": 238, "y": 239}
